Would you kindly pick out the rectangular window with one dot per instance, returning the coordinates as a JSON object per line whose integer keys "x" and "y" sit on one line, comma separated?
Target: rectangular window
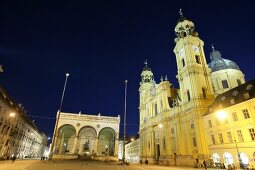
{"x": 197, "y": 59}
{"x": 194, "y": 141}
{"x": 246, "y": 114}
{"x": 192, "y": 126}
{"x": 234, "y": 116}
{"x": 252, "y": 133}
{"x": 230, "y": 140}
{"x": 246, "y": 96}
{"x": 220, "y": 138}
{"x": 172, "y": 130}
{"x": 213, "y": 139}
{"x": 232, "y": 101}
{"x": 240, "y": 135}
{"x": 183, "y": 62}
{"x": 225, "y": 84}
{"x": 210, "y": 123}
{"x": 156, "y": 108}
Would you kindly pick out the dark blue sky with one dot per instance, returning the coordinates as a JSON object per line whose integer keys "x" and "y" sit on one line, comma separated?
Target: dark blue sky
{"x": 102, "y": 43}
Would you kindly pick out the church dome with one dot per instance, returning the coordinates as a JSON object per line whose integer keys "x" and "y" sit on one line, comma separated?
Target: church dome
{"x": 218, "y": 63}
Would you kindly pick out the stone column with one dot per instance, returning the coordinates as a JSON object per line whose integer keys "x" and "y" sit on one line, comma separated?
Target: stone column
{"x": 116, "y": 147}
{"x": 74, "y": 145}
{"x": 96, "y": 146}
{"x": 61, "y": 145}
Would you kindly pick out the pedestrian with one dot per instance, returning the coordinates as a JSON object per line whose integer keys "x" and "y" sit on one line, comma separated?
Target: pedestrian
{"x": 13, "y": 158}
{"x": 205, "y": 164}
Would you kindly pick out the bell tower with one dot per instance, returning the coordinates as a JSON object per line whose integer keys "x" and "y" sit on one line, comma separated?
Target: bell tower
{"x": 193, "y": 71}
{"x": 146, "y": 86}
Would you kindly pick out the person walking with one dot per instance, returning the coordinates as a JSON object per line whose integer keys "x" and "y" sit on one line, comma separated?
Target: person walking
{"x": 13, "y": 158}
{"x": 205, "y": 164}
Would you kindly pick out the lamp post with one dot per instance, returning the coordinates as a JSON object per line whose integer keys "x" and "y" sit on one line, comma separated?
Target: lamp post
{"x": 222, "y": 115}
{"x": 59, "y": 111}
{"x": 125, "y": 110}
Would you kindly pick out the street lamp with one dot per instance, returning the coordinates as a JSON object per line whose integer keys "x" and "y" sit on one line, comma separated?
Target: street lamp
{"x": 222, "y": 115}
{"x": 12, "y": 114}
{"x": 59, "y": 111}
{"x": 125, "y": 110}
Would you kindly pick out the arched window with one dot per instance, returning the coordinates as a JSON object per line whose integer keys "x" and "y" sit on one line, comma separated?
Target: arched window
{"x": 244, "y": 158}
{"x": 225, "y": 84}
{"x": 197, "y": 59}
{"x": 238, "y": 82}
{"x": 183, "y": 62}
{"x": 216, "y": 158}
{"x": 188, "y": 95}
{"x": 228, "y": 158}
{"x": 204, "y": 92}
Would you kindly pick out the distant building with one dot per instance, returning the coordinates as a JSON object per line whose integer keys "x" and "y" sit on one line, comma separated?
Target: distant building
{"x": 132, "y": 151}
{"x": 120, "y": 149}
{"x": 82, "y": 134}
{"x": 19, "y": 135}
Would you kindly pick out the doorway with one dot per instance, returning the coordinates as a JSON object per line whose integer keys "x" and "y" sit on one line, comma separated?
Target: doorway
{"x": 157, "y": 153}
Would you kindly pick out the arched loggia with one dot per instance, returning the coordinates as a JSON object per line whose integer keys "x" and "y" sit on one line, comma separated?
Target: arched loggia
{"x": 87, "y": 141}
{"x": 106, "y": 141}
{"x": 65, "y": 139}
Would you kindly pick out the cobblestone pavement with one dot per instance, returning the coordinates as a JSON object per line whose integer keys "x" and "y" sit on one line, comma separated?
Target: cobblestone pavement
{"x": 78, "y": 165}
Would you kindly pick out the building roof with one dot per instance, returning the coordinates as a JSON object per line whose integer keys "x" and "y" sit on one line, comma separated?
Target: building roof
{"x": 234, "y": 96}
{"x": 218, "y": 63}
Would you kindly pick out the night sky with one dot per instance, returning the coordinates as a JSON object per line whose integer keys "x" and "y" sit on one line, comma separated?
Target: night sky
{"x": 102, "y": 43}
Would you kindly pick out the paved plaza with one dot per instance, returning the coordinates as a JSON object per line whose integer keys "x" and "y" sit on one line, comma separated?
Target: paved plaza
{"x": 78, "y": 165}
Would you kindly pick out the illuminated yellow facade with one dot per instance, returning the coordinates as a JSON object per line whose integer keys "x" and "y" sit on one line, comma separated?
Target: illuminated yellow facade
{"x": 172, "y": 128}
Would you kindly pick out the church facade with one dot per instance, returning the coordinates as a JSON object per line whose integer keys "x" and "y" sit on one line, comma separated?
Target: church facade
{"x": 172, "y": 127}
{"x": 81, "y": 134}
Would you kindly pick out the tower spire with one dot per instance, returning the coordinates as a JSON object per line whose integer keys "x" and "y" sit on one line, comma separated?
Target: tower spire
{"x": 146, "y": 63}
{"x": 180, "y": 12}
{"x": 213, "y": 47}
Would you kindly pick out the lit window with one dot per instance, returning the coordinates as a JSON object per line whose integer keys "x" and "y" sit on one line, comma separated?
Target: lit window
{"x": 240, "y": 135}
{"x": 225, "y": 84}
{"x": 246, "y": 96}
{"x": 246, "y": 114}
{"x": 232, "y": 101}
{"x": 210, "y": 123}
{"x": 234, "y": 116}
{"x": 213, "y": 139}
{"x": 229, "y": 137}
{"x": 252, "y": 133}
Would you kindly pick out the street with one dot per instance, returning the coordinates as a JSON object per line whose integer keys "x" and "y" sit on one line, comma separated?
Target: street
{"x": 78, "y": 165}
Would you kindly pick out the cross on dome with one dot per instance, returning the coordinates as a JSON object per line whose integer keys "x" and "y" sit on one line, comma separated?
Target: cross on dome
{"x": 212, "y": 47}
{"x": 180, "y": 12}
